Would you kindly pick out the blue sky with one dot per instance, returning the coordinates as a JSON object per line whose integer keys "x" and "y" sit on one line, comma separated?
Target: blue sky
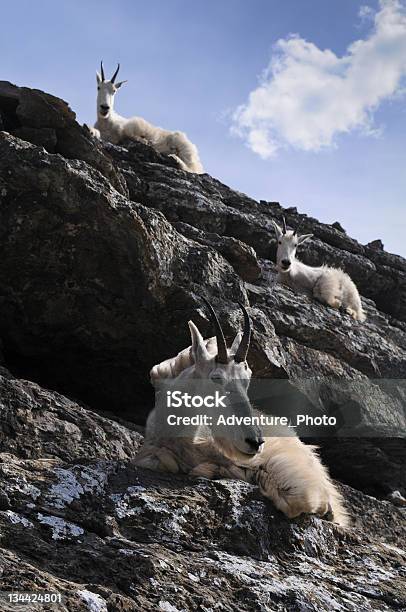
{"x": 324, "y": 129}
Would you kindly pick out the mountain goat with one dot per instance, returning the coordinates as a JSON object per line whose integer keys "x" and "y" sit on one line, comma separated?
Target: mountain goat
{"x": 287, "y": 471}
{"x": 114, "y": 128}
{"x": 331, "y": 286}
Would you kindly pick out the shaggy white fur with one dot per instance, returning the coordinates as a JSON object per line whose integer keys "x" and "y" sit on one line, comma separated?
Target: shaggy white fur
{"x": 331, "y": 286}
{"x": 292, "y": 475}
{"x": 287, "y": 471}
{"x": 114, "y": 128}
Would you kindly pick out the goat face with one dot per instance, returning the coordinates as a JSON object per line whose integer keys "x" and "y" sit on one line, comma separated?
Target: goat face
{"x": 288, "y": 241}
{"x": 229, "y": 372}
{"x": 106, "y": 90}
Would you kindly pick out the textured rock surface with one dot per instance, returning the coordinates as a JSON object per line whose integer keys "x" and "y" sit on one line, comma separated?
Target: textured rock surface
{"x": 75, "y": 521}
{"x": 109, "y": 284}
{"x": 37, "y": 423}
{"x": 106, "y": 282}
{"x": 207, "y": 204}
{"x": 47, "y": 121}
{"x": 105, "y": 253}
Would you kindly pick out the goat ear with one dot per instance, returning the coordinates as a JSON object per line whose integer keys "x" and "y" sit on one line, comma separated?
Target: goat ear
{"x": 236, "y": 343}
{"x": 98, "y": 78}
{"x": 278, "y": 230}
{"x": 303, "y": 238}
{"x": 199, "y": 351}
{"x": 118, "y": 85}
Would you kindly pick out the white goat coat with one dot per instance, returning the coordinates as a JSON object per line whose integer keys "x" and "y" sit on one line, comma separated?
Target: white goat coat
{"x": 116, "y": 129}
{"x": 331, "y": 286}
{"x": 287, "y": 471}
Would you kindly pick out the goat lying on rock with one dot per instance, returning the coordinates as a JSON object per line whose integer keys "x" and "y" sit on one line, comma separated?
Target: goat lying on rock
{"x": 114, "y": 128}
{"x": 286, "y": 470}
{"x": 331, "y": 286}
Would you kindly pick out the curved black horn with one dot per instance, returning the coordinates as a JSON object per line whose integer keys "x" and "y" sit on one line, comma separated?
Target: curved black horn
{"x": 298, "y": 227}
{"x": 241, "y": 354}
{"x": 113, "y": 78}
{"x": 222, "y": 355}
{"x": 284, "y": 225}
{"x": 102, "y": 71}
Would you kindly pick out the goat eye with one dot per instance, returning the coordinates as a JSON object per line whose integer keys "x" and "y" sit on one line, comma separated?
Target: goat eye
{"x": 98, "y": 89}
{"x": 280, "y": 242}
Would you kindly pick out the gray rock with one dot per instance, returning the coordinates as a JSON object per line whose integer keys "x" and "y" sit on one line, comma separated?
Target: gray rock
{"x": 241, "y": 256}
{"x": 105, "y": 286}
{"x": 337, "y": 225}
{"x": 43, "y": 137}
{"x": 45, "y": 120}
{"x": 77, "y": 518}
{"x": 376, "y": 244}
{"x": 139, "y": 539}
{"x": 37, "y": 423}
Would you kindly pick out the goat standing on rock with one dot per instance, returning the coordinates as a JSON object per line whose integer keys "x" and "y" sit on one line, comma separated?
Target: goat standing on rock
{"x": 114, "y": 128}
{"x": 286, "y": 470}
{"x": 331, "y": 286}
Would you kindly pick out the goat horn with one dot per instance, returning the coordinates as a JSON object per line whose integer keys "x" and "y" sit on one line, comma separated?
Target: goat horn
{"x": 298, "y": 227}
{"x": 113, "y": 78}
{"x": 241, "y": 354}
{"x": 101, "y": 70}
{"x": 222, "y": 354}
{"x": 284, "y": 225}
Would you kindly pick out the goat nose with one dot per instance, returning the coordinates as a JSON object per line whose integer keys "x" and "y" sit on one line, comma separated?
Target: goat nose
{"x": 285, "y": 262}
{"x": 255, "y": 443}
{"x": 104, "y": 107}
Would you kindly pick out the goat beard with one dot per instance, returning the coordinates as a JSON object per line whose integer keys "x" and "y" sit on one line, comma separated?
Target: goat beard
{"x": 229, "y": 450}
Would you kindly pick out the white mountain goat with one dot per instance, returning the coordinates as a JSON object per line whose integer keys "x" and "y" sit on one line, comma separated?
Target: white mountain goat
{"x": 331, "y": 286}
{"x": 114, "y": 128}
{"x": 286, "y": 470}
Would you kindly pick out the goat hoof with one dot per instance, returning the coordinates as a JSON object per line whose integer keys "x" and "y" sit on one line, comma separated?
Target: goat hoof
{"x": 397, "y": 498}
{"x": 329, "y": 515}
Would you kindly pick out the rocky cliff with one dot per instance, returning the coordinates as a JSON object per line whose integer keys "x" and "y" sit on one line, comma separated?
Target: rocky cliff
{"x": 105, "y": 253}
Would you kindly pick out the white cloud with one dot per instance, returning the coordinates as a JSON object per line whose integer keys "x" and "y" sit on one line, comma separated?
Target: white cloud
{"x": 307, "y": 96}
{"x": 366, "y": 13}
